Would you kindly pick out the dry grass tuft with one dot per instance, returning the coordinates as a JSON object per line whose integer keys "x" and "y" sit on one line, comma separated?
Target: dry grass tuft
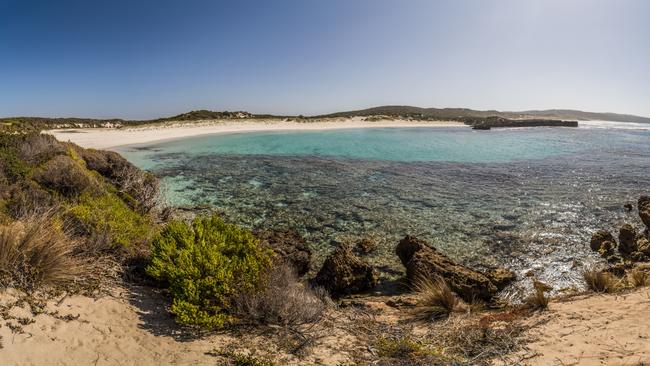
{"x": 599, "y": 281}
{"x": 284, "y": 301}
{"x": 639, "y": 278}
{"x": 36, "y": 252}
{"x": 435, "y": 298}
{"x": 537, "y": 300}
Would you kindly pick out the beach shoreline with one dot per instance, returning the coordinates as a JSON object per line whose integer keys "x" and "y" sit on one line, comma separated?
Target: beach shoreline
{"x": 111, "y": 138}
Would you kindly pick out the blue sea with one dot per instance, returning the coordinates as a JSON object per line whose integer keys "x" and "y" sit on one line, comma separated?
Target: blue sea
{"x": 527, "y": 198}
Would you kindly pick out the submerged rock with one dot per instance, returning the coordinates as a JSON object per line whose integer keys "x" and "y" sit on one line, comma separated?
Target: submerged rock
{"x": 422, "y": 260}
{"x": 290, "y": 246}
{"x": 644, "y": 210}
{"x": 344, "y": 273}
{"x": 627, "y": 239}
{"x": 599, "y": 238}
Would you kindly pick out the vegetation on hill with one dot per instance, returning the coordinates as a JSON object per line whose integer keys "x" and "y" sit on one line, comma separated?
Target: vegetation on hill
{"x": 62, "y": 207}
{"x": 464, "y": 113}
{"x": 22, "y": 124}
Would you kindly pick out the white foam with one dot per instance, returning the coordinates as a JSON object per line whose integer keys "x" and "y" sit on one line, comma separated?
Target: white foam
{"x": 614, "y": 125}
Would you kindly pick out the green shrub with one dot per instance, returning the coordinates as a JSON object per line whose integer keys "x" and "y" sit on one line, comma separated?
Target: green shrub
{"x": 206, "y": 265}
{"x": 108, "y": 215}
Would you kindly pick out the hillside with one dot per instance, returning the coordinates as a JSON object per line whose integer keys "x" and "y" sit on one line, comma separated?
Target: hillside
{"x": 458, "y": 114}
{"x": 462, "y": 113}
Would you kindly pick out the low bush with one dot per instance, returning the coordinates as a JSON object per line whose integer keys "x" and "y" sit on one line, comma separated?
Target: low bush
{"x": 36, "y": 149}
{"x": 435, "y": 298}
{"x": 284, "y": 300}
{"x": 206, "y": 265}
{"x": 109, "y": 217}
{"x": 36, "y": 252}
{"x": 139, "y": 188}
{"x": 64, "y": 175}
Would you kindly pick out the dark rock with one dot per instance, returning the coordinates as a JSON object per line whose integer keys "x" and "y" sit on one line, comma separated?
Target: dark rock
{"x": 290, "y": 246}
{"x": 501, "y": 277}
{"x": 628, "y": 207}
{"x": 599, "y": 237}
{"x": 344, "y": 273}
{"x": 607, "y": 248}
{"x": 422, "y": 260}
{"x": 643, "y": 246}
{"x": 644, "y": 210}
{"x": 627, "y": 239}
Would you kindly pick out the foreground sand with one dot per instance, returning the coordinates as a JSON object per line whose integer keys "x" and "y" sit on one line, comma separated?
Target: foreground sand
{"x": 132, "y": 327}
{"x": 593, "y": 330}
{"x": 106, "y": 138}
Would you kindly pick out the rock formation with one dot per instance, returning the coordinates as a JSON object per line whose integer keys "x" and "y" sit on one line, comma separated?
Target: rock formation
{"x": 422, "y": 260}
{"x": 344, "y": 273}
{"x": 289, "y": 246}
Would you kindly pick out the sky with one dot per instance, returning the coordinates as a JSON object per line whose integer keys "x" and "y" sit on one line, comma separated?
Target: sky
{"x": 145, "y": 59}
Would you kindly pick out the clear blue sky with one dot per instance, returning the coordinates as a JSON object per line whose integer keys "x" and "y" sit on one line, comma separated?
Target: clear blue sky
{"x": 141, "y": 59}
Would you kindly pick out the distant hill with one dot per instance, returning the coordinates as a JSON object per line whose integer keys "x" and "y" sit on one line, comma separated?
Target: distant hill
{"x": 462, "y": 113}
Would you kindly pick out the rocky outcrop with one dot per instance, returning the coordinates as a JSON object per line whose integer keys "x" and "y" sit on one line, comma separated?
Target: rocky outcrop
{"x": 633, "y": 246}
{"x": 485, "y": 123}
{"x": 422, "y": 260}
{"x": 600, "y": 237}
{"x": 627, "y": 239}
{"x": 644, "y": 210}
{"x": 343, "y": 273}
{"x": 289, "y": 246}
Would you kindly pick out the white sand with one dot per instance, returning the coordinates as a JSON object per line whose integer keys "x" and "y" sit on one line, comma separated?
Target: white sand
{"x": 106, "y": 138}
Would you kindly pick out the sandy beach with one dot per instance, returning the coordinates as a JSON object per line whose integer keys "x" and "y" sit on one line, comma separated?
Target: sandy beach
{"x": 106, "y": 138}
{"x": 132, "y": 327}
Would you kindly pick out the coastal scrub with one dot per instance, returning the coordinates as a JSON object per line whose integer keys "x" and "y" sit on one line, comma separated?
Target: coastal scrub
{"x": 206, "y": 264}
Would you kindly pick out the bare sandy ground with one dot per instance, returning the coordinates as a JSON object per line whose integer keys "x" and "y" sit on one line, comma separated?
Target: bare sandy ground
{"x": 106, "y": 138}
{"x": 611, "y": 329}
{"x": 132, "y": 327}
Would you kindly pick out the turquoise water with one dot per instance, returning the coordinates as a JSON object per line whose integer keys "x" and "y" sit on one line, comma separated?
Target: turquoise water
{"x": 457, "y": 144}
{"x": 528, "y": 199}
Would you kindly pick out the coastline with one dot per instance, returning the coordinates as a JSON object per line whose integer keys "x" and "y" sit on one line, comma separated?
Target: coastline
{"x": 109, "y": 138}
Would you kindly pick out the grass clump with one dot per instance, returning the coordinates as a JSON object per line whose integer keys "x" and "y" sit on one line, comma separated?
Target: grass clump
{"x": 639, "y": 278}
{"x": 599, "y": 281}
{"x": 435, "y": 298}
{"x": 400, "y": 347}
{"x": 538, "y": 299}
{"x": 241, "y": 359}
{"x": 36, "y": 252}
{"x": 206, "y": 265}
